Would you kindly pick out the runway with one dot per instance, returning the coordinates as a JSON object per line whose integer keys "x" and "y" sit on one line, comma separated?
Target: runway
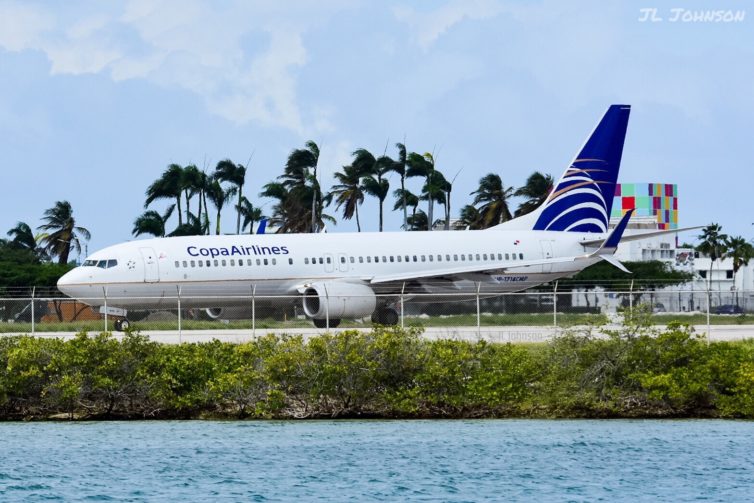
{"x": 513, "y": 334}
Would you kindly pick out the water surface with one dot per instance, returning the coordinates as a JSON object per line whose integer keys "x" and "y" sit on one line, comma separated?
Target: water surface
{"x": 377, "y": 460}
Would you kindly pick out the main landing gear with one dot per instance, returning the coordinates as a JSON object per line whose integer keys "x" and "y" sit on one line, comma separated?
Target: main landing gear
{"x": 322, "y": 323}
{"x": 385, "y": 316}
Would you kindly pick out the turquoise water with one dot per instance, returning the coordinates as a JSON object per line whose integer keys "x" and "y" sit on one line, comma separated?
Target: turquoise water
{"x": 377, "y": 460}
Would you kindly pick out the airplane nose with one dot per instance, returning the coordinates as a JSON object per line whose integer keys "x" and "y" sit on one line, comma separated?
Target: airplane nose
{"x": 65, "y": 282}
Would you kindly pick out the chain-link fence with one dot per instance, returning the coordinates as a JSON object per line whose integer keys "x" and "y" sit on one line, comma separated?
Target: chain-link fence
{"x": 468, "y": 311}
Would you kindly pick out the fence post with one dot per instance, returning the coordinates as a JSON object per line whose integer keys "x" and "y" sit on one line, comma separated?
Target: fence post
{"x": 33, "y": 313}
{"x": 253, "y": 310}
{"x": 104, "y": 296}
{"x": 555, "y": 305}
{"x": 478, "y": 311}
{"x": 631, "y": 299}
{"x": 178, "y": 288}
{"x": 327, "y": 309}
{"x": 709, "y": 294}
{"x": 403, "y": 289}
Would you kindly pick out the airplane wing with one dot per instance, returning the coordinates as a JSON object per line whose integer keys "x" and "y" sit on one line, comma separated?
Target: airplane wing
{"x": 643, "y": 235}
{"x": 495, "y": 267}
{"x": 605, "y": 252}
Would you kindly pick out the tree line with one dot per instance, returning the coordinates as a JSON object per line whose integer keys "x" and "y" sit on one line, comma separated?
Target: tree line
{"x": 387, "y": 373}
{"x": 299, "y": 202}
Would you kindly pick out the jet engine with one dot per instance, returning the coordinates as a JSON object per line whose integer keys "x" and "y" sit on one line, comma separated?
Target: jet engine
{"x": 338, "y": 299}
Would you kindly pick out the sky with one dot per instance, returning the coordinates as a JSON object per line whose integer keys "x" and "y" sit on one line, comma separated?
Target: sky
{"x": 98, "y": 98}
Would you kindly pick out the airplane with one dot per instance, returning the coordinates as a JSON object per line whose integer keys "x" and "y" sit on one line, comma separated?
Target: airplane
{"x": 355, "y": 275}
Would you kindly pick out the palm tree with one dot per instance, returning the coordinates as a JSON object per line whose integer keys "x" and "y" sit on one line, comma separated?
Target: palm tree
{"x": 250, "y": 215}
{"x": 348, "y": 192}
{"x": 399, "y": 166}
{"x": 169, "y": 186}
{"x": 372, "y": 171}
{"x": 536, "y": 190}
{"x": 741, "y": 251}
{"x": 300, "y": 177}
{"x": 436, "y": 189}
{"x": 493, "y": 197}
{"x": 219, "y": 197}
{"x": 192, "y": 184}
{"x": 470, "y": 217}
{"x": 418, "y": 221}
{"x": 423, "y": 166}
{"x": 403, "y": 199}
{"x": 151, "y": 222}
{"x": 226, "y": 171}
{"x": 61, "y": 231}
{"x": 23, "y": 237}
{"x": 713, "y": 244}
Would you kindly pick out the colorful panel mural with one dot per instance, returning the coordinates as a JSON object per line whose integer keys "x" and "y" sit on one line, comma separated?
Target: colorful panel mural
{"x": 659, "y": 200}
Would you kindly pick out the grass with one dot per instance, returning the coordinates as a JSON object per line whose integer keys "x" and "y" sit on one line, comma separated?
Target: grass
{"x": 458, "y": 320}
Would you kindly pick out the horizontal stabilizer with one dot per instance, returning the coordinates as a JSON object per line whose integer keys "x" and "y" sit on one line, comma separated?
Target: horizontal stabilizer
{"x": 643, "y": 235}
{"x": 617, "y": 263}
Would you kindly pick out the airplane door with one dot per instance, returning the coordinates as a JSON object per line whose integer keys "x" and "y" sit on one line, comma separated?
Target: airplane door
{"x": 329, "y": 262}
{"x": 546, "y": 254}
{"x": 151, "y": 269}
{"x": 342, "y": 262}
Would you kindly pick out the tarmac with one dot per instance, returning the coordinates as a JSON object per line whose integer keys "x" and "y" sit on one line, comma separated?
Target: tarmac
{"x": 513, "y": 334}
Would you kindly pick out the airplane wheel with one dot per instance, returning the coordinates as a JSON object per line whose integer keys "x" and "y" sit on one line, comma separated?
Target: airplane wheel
{"x": 390, "y": 317}
{"x": 116, "y": 325}
{"x": 124, "y": 325}
{"x": 385, "y": 317}
{"x": 320, "y": 323}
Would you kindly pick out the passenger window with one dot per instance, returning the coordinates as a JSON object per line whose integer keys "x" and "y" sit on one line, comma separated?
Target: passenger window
{"x": 455, "y": 258}
{"x": 399, "y": 258}
{"x": 201, "y": 263}
{"x": 352, "y": 260}
{"x": 342, "y": 260}
{"x": 259, "y": 261}
{"x": 484, "y": 256}
{"x": 477, "y": 257}
{"x": 521, "y": 256}
{"x": 507, "y": 257}
{"x": 217, "y": 263}
{"x": 408, "y": 259}
{"x": 463, "y": 257}
{"x": 392, "y": 258}
{"x": 500, "y": 256}
{"x": 424, "y": 258}
{"x": 431, "y": 257}
{"x": 177, "y": 264}
{"x": 274, "y": 261}
{"x": 184, "y": 264}
{"x": 513, "y": 256}
{"x": 266, "y": 262}
{"x": 232, "y": 262}
{"x": 369, "y": 260}
{"x": 321, "y": 260}
{"x": 306, "y": 260}
{"x": 248, "y": 261}
{"x": 361, "y": 260}
{"x": 376, "y": 260}
{"x": 415, "y": 259}
{"x": 193, "y": 264}
{"x": 447, "y": 258}
{"x": 223, "y": 262}
{"x": 329, "y": 260}
{"x": 290, "y": 261}
{"x": 384, "y": 258}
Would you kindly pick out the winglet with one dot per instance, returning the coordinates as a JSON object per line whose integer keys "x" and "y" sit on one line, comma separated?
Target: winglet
{"x": 614, "y": 238}
{"x": 262, "y": 226}
{"x": 607, "y": 250}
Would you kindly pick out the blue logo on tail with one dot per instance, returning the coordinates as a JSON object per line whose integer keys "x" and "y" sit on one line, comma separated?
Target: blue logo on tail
{"x": 582, "y": 199}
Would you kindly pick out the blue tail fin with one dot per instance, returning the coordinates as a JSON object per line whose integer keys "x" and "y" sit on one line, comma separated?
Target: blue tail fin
{"x": 582, "y": 199}
{"x": 262, "y": 226}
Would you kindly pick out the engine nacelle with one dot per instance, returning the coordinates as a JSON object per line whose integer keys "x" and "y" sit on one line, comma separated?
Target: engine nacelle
{"x": 214, "y": 313}
{"x": 338, "y": 299}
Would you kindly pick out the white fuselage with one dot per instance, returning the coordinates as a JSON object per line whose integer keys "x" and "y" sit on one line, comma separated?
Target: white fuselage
{"x": 200, "y": 269}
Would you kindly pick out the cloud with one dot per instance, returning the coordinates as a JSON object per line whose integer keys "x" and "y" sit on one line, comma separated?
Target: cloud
{"x": 430, "y": 26}
{"x": 241, "y": 59}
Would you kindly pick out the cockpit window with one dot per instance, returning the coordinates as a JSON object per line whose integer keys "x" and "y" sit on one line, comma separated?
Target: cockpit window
{"x": 102, "y": 264}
